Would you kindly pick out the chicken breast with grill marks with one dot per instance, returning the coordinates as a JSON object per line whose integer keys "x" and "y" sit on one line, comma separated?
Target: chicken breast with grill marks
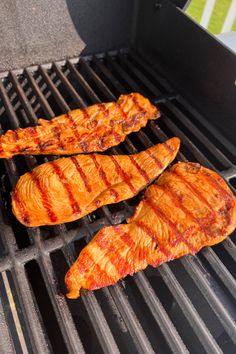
{"x": 66, "y": 189}
{"x": 189, "y": 207}
{"x": 92, "y": 129}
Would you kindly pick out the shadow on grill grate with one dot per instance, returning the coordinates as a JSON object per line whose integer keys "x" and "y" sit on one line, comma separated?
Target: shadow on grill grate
{"x": 45, "y": 307}
{"x": 188, "y": 305}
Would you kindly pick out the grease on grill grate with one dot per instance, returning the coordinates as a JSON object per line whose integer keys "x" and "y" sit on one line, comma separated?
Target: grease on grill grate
{"x": 187, "y": 305}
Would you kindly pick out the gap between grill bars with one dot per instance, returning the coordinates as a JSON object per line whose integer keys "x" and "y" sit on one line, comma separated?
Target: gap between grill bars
{"x": 198, "y": 288}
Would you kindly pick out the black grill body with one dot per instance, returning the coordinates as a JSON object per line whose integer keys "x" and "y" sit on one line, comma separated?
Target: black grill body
{"x": 187, "y": 305}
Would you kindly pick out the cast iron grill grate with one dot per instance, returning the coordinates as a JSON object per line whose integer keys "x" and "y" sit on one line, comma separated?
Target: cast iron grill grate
{"x": 186, "y": 305}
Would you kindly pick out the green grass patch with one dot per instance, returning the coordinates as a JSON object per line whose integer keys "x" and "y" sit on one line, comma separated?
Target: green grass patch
{"x": 234, "y": 26}
{"x": 195, "y": 10}
{"x": 218, "y": 16}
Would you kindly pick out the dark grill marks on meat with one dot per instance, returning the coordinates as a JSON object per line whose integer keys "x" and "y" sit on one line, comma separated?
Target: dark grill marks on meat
{"x": 103, "y": 176}
{"x": 84, "y": 146}
{"x": 105, "y": 113}
{"x": 34, "y": 133}
{"x": 169, "y": 223}
{"x": 154, "y": 237}
{"x": 45, "y": 199}
{"x": 73, "y": 126}
{"x": 57, "y": 135}
{"x": 135, "y": 101}
{"x": 23, "y": 213}
{"x": 15, "y": 135}
{"x": 168, "y": 147}
{"x": 125, "y": 236}
{"x": 95, "y": 269}
{"x": 139, "y": 169}
{"x": 1, "y": 149}
{"x": 74, "y": 205}
{"x": 68, "y": 277}
{"x": 122, "y": 174}
{"x": 157, "y": 162}
{"x": 98, "y": 203}
{"x": 103, "y": 109}
{"x": 86, "y": 262}
{"x": 178, "y": 236}
{"x": 121, "y": 111}
{"x": 176, "y": 200}
{"x": 16, "y": 138}
{"x": 85, "y": 113}
{"x": 116, "y": 135}
{"x": 194, "y": 190}
{"x": 114, "y": 256}
{"x": 81, "y": 173}
{"x": 223, "y": 194}
{"x": 127, "y": 239}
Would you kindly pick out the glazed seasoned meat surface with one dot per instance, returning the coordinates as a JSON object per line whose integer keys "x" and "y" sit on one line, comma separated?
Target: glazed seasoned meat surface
{"x": 92, "y": 129}
{"x": 66, "y": 189}
{"x": 188, "y": 207}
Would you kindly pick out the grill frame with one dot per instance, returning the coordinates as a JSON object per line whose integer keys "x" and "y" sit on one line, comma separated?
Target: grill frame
{"x": 40, "y": 249}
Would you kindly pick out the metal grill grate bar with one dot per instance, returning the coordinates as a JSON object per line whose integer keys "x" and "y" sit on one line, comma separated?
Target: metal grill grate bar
{"x": 208, "y": 145}
{"x": 194, "y": 268}
{"x": 153, "y": 90}
{"x": 6, "y": 344}
{"x": 8, "y": 107}
{"x": 208, "y": 126}
{"x": 103, "y": 331}
{"x": 5, "y": 263}
{"x": 185, "y": 140}
{"x": 60, "y": 100}
{"x": 189, "y": 310}
{"x": 162, "y": 82}
{"x": 141, "y": 341}
{"x": 78, "y": 100}
{"x": 169, "y": 331}
{"x": 124, "y": 75}
{"x": 23, "y": 99}
{"x": 109, "y": 76}
{"x": 104, "y": 89}
{"x": 58, "y": 301}
{"x": 230, "y": 247}
{"x": 220, "y": 270}
{"x": 35, "y": 328}
{"x": 82, "y": 82}
{"x": 44, "y": 103}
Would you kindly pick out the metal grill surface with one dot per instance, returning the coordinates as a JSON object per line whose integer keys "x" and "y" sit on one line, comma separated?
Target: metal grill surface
{"x": 185, "y": 306}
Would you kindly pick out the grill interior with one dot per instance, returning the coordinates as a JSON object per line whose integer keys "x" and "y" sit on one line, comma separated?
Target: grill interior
{"x": 185, "y": 305}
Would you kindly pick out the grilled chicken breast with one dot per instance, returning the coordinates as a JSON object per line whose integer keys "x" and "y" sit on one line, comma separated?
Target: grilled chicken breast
{"x": 95, "y": 128}
{"x": 189, "y": 207}
{"x": 68, "y": 188}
